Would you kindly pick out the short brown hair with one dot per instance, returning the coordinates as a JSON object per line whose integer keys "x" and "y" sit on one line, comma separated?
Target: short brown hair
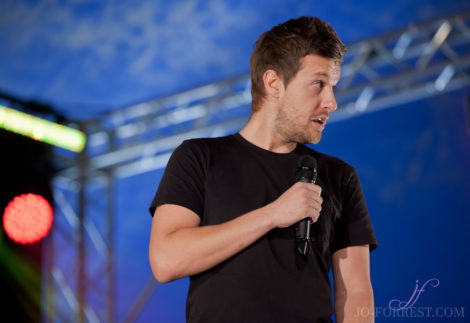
{"x": 283, "y": 47}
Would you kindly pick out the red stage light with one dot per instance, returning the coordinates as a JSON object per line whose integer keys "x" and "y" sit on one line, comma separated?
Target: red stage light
{"x": 27, "y": 218}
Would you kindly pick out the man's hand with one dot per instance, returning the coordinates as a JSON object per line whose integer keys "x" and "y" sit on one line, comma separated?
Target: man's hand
{"x": 300, "y": 201}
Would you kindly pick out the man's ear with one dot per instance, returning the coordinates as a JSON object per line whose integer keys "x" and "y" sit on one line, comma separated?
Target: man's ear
{"x": 273, "y": 84}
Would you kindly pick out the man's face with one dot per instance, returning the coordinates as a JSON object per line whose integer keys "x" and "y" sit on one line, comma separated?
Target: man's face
{"x": 308, "y": 100}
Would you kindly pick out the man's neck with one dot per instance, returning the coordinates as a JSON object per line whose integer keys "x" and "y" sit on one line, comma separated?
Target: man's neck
{"x": 260, "y": 131}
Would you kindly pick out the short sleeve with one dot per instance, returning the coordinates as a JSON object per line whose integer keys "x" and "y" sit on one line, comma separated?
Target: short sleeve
{"x": 183, "y": 180}
{"x": 354, "y": 226}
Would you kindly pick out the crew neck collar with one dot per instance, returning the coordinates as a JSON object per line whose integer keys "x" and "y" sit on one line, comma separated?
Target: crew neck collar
{"x": 250, "y": 145}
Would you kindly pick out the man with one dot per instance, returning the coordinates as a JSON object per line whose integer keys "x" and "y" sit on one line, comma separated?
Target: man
{"x": 226, "y": 209}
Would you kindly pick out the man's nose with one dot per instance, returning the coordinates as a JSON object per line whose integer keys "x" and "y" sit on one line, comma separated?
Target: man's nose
{"x": 330, "y": 100}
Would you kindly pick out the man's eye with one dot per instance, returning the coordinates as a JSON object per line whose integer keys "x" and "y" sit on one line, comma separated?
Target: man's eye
{"x": 319, "y": 84}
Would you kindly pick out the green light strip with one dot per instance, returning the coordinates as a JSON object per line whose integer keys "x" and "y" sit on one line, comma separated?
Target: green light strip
{"x": 41, "y": 130}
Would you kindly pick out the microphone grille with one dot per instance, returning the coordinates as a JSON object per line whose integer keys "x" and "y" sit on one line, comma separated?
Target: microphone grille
{"x": 307, "y": 169}
{"x": 308, "y": 161}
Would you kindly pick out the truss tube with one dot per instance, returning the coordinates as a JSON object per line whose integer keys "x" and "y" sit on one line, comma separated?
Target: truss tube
{"x": 110, "y": 174}
{"x": 81, "y": 278}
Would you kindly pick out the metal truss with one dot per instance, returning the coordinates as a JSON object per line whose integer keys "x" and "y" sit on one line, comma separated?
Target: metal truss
{"x": 418, "y": 62}
{"x": 414, "y": 63}
{"x": 78, "y": 265}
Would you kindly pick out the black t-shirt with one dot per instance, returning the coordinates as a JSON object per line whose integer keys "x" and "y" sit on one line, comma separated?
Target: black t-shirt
{"x": 269, "y": 281}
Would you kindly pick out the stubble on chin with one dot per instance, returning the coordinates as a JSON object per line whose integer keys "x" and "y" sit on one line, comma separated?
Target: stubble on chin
{"x": 294, "y": 132}
{"x": 291, "y": 132}
{"x": 311, "y": 139}
{"x": 315, "y": 140}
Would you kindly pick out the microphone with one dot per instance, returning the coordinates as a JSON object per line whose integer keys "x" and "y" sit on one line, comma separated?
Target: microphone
{"x": 307, "y": 173}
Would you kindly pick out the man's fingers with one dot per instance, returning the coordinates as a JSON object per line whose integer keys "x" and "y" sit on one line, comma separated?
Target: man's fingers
{"x": 315, "y": 199}
{"x": 311, "y": 187}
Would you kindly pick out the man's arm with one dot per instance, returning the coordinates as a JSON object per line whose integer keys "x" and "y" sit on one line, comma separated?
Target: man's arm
{"x": 179, "y": 247}
{"x": 354, "y": 298}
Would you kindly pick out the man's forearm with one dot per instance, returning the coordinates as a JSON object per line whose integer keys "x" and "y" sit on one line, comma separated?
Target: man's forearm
{"x": 192, "y": 250}
{"x": 357, "y": 307}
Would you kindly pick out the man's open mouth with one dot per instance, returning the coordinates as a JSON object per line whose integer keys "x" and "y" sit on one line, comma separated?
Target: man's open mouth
{"x": 321, "y": 120}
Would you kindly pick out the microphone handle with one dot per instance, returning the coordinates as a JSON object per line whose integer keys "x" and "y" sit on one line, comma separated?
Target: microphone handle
{"x": 303, "y": 228}
{"x": 304, "y": 239}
